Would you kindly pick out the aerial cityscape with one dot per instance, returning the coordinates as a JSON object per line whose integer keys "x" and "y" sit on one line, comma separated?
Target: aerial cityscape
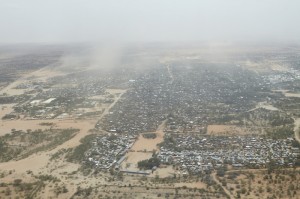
{"x": 169, "y": 125}
{"x": 149, "y": 99}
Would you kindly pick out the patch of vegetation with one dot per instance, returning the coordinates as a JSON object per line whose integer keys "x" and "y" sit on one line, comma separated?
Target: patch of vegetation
{"x": 46, "y": 123}
{"x": 20, "y": 144}
{"x": 10, "y": 117}
{"x": 60, "y": 190}
{"x": 221, "y": 171}
{"x": 149, "y": 164}
{"x": 83, "y": 193}
{"x": 91, "y": 114}
{"x": 150, "y": 135}
{"x": 279, "y": 182}
{"x": 49, "y": 178}
{"x": 60, "y": 153}
{"x": 7, "y": 100}
{"x": 281, "y": 132}
{"x": 21, "y": 189}
{"x": 77, "y": 155}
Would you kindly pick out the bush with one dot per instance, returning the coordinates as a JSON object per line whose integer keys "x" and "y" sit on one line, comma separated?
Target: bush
{"x": 149, "y": 164}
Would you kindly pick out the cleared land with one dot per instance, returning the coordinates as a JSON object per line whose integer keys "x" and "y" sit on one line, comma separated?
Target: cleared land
{"x": 142, "y": 150}
{"x": 48, "y": 174}
{"x": 227, "y": 130}
{"x": 261, "y": 183}
{"x": 39, "y": 162}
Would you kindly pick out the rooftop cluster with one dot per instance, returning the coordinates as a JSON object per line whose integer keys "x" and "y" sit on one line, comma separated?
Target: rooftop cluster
{"x": 107, "y": 150}
{"x": 189, "y": 95}
{"x": 196, "y": 153}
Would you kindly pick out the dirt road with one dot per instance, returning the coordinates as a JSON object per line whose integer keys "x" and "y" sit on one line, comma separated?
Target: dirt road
{"x": 297, "y": 129}
{"x": 170, "y": 73}
{"x": 38, "y": 162}
{"x": 214, "y": 175}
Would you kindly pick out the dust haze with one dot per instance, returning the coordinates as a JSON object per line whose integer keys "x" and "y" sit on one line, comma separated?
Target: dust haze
{"x": 116, "y": 22}
{"x": 107, "y": 26}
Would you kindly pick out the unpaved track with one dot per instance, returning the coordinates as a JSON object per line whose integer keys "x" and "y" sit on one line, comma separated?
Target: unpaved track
{"x": 214, "y": 175}
{"x": 142, "y": 149}
{"x": 297, "y": 129}
{"x": 38, "y": 161}
{"x": 170, "y": 73}
{"x": 106, "y": 111}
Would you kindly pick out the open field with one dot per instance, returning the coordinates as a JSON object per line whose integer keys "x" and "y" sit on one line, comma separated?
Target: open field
{"x": 288, "y": 93}
{"x": 118, "y": 111}
{"x": 263, "y": 66}
{"x": 265, "y": 105}
{"x": 137, "y": 192}
{"x": 143, "y": 149}
{"x": 292, "y": 94}
{"x": 7, "y": 126}
{"x": 21, "y": 144}
{"x": 148, "y": 144}
{"x": 261, "y": 183}
{"x": 164, "y": 172}
{"x": 227, "y": 130}
{"x": 132, "y": 158}
{"x": 198, "y": 185}
{"x": 297, "y": 129}
{"x": 39, "y": 163}
{"x": 39, "y": 75}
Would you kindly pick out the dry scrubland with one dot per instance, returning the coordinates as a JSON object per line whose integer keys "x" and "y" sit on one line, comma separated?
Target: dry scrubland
{"x": 35, "y": 163}
{"x": 228, "y": 130}
{"x": 143, "y": 149}
{"x": 261, "y": 183}
{"x": 28, "y": 169}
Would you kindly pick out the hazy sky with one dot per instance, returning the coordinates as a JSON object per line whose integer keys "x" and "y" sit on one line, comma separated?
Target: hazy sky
{"x": 149, "y": 20}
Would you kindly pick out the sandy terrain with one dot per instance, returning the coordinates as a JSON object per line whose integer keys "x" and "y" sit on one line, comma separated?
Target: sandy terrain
{"x": 287, "y": 93}
{"x": 40, "y": 162}
{"x": 7, "y": 125}
{"x": 219, "y": 183}
{"x": 277, "y": 67}
{"x": 148, "y": 144}
{"x": 140, "y": 146}
{"x": 265, "y": 105}
{"x": 170, "y": 73}
{"x": 262, "y": 185}
{"x": 163, "y": 172}
{"x": 263, "y": 66}
{"x": 97, "y": 97}
{"x": 6, "y": 109}
{"x": 198, "y": 185}
{"x": 227, "y": 130}
{"x": 41, "y": 75}
{"x": 133, "y": 158}
{"x": 292, "y": 94}
{"x": 44, "y": 74}
{"x": 115, "y": 91}
{"x": 297, "y": 129}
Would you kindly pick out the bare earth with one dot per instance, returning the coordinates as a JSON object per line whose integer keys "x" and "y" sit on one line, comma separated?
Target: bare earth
{"x": 40, "y": 163}
{"x": 142, "y": 150}
{"x": 287, "y": 93}
{"x": 297, "y": 129}
{"x": 227, "y": 130}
